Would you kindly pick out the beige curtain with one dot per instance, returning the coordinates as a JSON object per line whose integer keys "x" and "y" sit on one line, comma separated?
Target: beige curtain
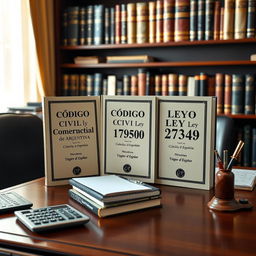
{"x": 42, "y": 12}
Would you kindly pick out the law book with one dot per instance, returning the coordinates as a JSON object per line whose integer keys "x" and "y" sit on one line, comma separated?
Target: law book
{"x": 65, "y": 27}
{"x": 247, "y": 129}
{"x": 238, "y": 91}
{"x": 142, "y": 22}
{"x": 164, "y": 87}
{"x": 123, "y": 24}
{"x": 152, "y": 22}
{"x": 217, "y": 18}
{"x": 98, "y": 77}
{"x": 251, "y": 21}
{"x": 158, "y": 85}
{"x": 134, "y": 85}
{"x": 65, "y": 85}
{"x": 192, "y": 86}
{"x": 181, "y": 20}
{"x": 240, "y": 19}
{"x": 90, "y": 83}
{"x": 253, "y": 147}
{"x": 211, "y": 86}
{"x": 227, "y": 93}
{"x": 173, "y": 85}
{"x": 159, "y": 21}
{"x": 149, "y": 85}
{"x": 117, "y": 23}
{"x": 73, "y": 25}
{"x": 249, "y": 103}
{"x": 126, "y": 85}
{"x": 90, "y": 20}
{"x": 131, "y": 23}
{"x": 119, "y": 87}
{"x": 203, "y": 84}
{"x": 111, "y": 85}
{"x": 112, "y": 25}
{"x": 105, "y": 86}
{"x": 168, "y": 20}
{"x": 87, "y": 60}
{"x": 82, "y": 85}
{"x": 201, "y": 20}
{"x": 182, "y": 85}
{"x": 142, "y": 79}
{"x": 229, "y": 19}
{"x": 209, "y": 19}
{"x": 219, "y": 92}
{"x": 82, "y": 25}
{"x": 129, "y": 59}
{"x": 193, "y": 20}
{"x": 113, "y": 210}
{"x": 74, "y": 84}
{"x": 221, "y": 22}
{"x": 98, "y": 24}
{"x": 107, "y": 25}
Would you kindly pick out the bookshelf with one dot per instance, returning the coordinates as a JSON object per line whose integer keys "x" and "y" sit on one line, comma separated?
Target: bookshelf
{"x": 230, "y": 56}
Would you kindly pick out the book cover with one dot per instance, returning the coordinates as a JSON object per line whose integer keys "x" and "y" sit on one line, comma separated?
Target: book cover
{"x": 216, "y": 25}
{"x": 73, "y": 25}
{"x": 251, "y": 21}
{"x": 168, "y": 20}
{"x": 203, "y": 84}
{"x": 201, "y": 20}
{"x": 173, "y": 85}
{"x": 240, "y": 19}
{"x": 82, "y": 25}
{"x": 65, "y": 27}
{"x": 227, "y": 93}
{"x": 221, "y": 22}
{"x": 193, "y": 20}
{"x": 186, "y": 141}
{"x": 238, "y": 91}
{"x": 219, "y": 92}
{"x": 119, "y": 87}
{"x": 152, "y": 21}
{"x": 159, "y": 21}
{"x": 249, "y": 103}
{"x": 117, "y": 23}
{"x": 74, "y": 84}
{"x": 164, "y": 87}
{"x": 229, "y": 19}
{"x": 142, "y": 22}
{"x": 90, "y": 84}
{"x": 209, "y": 19}
{"x": 253, "y": 147}
{"x": 193, "y": 85}
{"x": 211, "y": 85}
{"x": 149, "y": 84}
{"x": 181, "y": 20}
{"x": 98, "y": 24}
{"x": 71, "y": 138}
{"x": 129, "y": 136}
{"x": 111, "y": 85}
{"x": 90, "y": 19}
{"x": 123, "y": 24}
{"x": 182, "y": 84}
{"x": 131, "y": 23}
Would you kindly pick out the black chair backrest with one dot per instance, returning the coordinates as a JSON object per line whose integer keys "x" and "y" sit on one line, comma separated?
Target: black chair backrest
{"x": 21, "y": 148}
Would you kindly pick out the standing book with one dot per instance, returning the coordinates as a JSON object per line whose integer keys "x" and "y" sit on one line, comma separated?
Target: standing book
{"x": 71, "y": 138}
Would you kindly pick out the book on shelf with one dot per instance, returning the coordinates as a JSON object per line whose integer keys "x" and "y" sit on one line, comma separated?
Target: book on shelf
{"x": 142, "y": 80}
{"x": 107, "y": 25}
{"x": 112, "y": 26}
{"x": 123, "y": 23}
{"x": 240, "y": 19}
{"x": 134, "y": 85}
{"x": 152, "y": 22}
{"x": 158, "y": 85}
{"x": 227, "y": 93}
{"x": 113, "y": 188}
{"x": 201, "y": 20}
{"x": 131, "y": 23}
{"x": 251, "y": 21}
{"x": 82, "y": 25}
{"x": 126, "y": 85}
{"x": 111, "y": 84}
{"x": 129, "y": 59}
{"x": 88, "y": 60}
{"x": 182, "y": 84}
{"x": 253, "y": 57}
{"x": 142, "y": 22}
{"x": 193, "y": 86}
{"x": 254, "y": 147}
{"x": 73, "y": 23}
{"x": 117, "y": 23}
{"x": 249, "y": 104}
{"x": 173, "y": 85}
{"x": 168, "y": 20}
{"x": 98, "y": 24}
{"x": 238, "y": 91}
{"x": 209, "y": 19}
{"x": 219, "y": 92}
{"x": 217, "y": 19}
{"x": 193, "y": 20}
{"x": 126, "y": 207}
{"x": 90, "y": 26}
{"x": 159, "y": 21}
{"x": 229, "y": 19}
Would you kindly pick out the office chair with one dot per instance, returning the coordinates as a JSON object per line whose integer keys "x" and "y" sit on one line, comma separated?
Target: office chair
{"x": 225, "y": 135}
{"x": 21, "y": 148}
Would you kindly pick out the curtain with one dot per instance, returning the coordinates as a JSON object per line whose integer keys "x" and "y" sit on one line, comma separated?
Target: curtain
{"x": 42, "y": 12}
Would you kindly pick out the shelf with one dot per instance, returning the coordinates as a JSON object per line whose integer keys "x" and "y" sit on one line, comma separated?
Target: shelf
{"x": 162, "y": 64}
{"x": 240, "y": 116}
{"x": 151, "y": 45}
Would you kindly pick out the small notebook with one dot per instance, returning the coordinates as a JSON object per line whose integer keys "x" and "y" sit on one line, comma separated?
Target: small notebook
{"x": 244, "y": 178}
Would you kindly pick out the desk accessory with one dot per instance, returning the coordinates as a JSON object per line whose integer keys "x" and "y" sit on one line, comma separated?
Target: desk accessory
{"x": 11, "y": 201}
{"x": 51, "y": 217}
{"x": 224, "y": 199}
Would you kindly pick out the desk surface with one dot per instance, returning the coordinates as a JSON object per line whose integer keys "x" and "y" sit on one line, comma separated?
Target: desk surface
{"x": 182, "y": 226}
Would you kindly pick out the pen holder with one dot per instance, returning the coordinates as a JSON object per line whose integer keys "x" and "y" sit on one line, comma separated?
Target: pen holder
{"x": 224, "y": 199}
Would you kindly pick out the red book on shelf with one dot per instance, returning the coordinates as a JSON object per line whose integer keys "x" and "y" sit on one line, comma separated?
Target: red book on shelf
{"x": 142, "y": 80}
{"x": 134, "y": 85}
{"x": 164, "y": 85}
{"x": 158, "y": 85}
{"x": 211, "y": 86}
{"x": 219, "y": 92}
{"x": 159, "y": 21}
{"x": 168, "y": 20}
{"x": 216, "y": 27}
{"x": 227, "y": 94}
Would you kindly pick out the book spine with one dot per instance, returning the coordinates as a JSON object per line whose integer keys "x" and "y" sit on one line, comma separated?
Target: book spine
{"x": 74, "y": 84}
{"x": 142, "y": 78}
{"x": 203, "y": 79}
{"x": 209, "y": 19}
{"x": 97, "y": 84}
{"x": 112, "y": 81}
{"x": 117, "y": 23}
{"x": 249, "y": 107}
{"x": 240, "y": 19}
{"x": 73, "y": 25}
{"x": 83, "y": 202}
{"x": 197, "y": 85}
{"x": 193, "y": 20}
{"x": 201, "y": 20}
{"x": 247, "y": 145}
{"x": 82, "y": 26}
{"x": 251, "y": 21}
{"x": 98, "y": 24}
{"x": 107, "y": 26}
{"x": 90, "y": 18}
{"x": 105, "y": 86}
{"x": 227, "y": 94}
{"x": 123, "y": 24}
{"x": 237, "y": 106}
{"x": 229, "y": 15}
{"x": 148, "y": 83}
{"x": 219, "y": 92}
{"x": 152, "y": 21}
{"x": 112, "y": 25}
{"x": 82, "y": 85}
{"x": 65, "y": 87}
{"x": 181, "y": 25}
{"x": 119, "y": 87}
{"x": 142, "y": 23}
{"x": 131, "y": 23}
{"x": 216, "y": 26}
{"x": 253, "y": 147}
{"x": 158, "y": 85}
{"x": 211, "y": 86}
{"x": 164, "y": 88}
{"x": 183, "y": 85}
{"x": 89, "y": 83}
{"x": 134, "y": 85}
{"x": 173, "y": 85}
{"x": 159, "y": 21}
{"x": 168, "y": 20}
{"x": 191, "y": 86}
{"x": 221, "y": 22}
{"x": 65, "y": 27}
{"x": 126, "y": 85}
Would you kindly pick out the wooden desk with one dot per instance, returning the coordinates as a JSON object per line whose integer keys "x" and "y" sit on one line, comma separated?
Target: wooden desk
{"x": 183, "y": 226}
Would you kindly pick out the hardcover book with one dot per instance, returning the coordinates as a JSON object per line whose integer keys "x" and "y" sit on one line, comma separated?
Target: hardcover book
{"x": 186, "y": 141}
{"x": 219, "y": 92}
{"x": 201, "y": 20}
{"x": 240, "y": 19}
{"x": 251, "y": 21}
{"x": 193, "y": 20}
{"x": 217, "y": 18}
{"x": 159, "y": 21}
{"x": 227, "y": 94}
{"x": 71, "y": 138}
{"x": 152, "y": 21}
{"x": 249, "y": 104}
{"x": 229, "y": 19}
{"x": 238, "y": 92}
{"x": 142, "y": 22}
{"x": 129, "y": 136}
{"x": 209, "y": 21}
{"x": 168, "y": 20}
{"x": 90, "y": 19}
{"x": 131, "y": 23}
{"x": 73, "y": 25}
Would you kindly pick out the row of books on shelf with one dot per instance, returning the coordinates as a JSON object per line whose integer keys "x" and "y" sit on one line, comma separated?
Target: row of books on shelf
{"x": 159, "y": 21}
{"x": 111, "y": 194}
{"x": 235, "y": 92}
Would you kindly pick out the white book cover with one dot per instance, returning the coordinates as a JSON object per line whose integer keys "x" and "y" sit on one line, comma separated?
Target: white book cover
{"x": 71, "y": 138}
{"x": 111, "y": 88}
{"x": 186, "y": 141}
{"x": 128, "y": 133}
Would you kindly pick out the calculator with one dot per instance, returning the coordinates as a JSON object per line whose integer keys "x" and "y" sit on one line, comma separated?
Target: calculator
{"x": 51, "y": 217}
{"x": 11, "y": 201}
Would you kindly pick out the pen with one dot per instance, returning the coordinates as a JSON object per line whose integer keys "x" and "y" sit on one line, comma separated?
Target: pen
{"x": 225, "y": 158}
{"x": 236, "y": 153}
{"x": 219, "y": 161}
